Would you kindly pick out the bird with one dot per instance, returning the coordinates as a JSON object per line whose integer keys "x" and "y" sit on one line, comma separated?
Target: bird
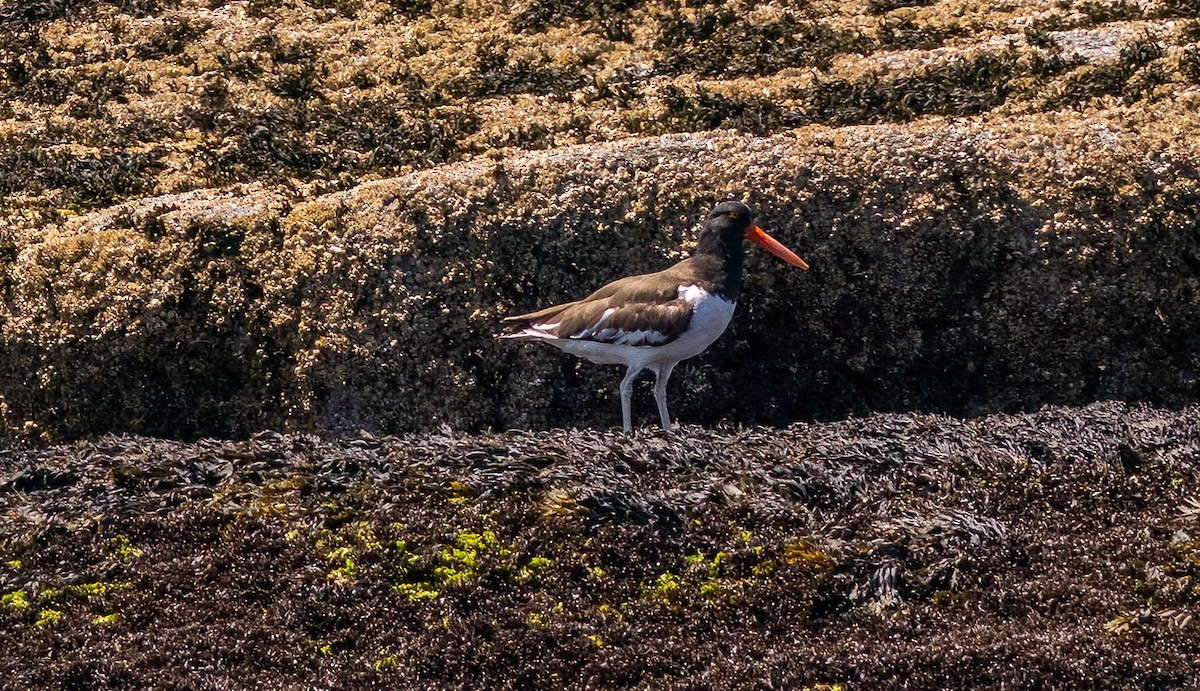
{"x": 654, "y": 321}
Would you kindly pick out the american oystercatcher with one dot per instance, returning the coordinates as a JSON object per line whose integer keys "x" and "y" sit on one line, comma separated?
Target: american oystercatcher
{"x": 653, "y": 321}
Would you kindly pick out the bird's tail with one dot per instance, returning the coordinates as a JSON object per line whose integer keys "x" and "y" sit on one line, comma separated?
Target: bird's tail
{"x": 533, "y": 325}
{"x": 524, "y": 330}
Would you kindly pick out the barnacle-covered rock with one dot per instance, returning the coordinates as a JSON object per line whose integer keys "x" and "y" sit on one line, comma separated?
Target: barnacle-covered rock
{"x": 216, "y": 218}
{"x": 963, "y": 266}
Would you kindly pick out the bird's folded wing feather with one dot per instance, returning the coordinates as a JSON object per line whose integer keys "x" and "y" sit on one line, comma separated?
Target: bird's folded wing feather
{"x": 628, "y": 312}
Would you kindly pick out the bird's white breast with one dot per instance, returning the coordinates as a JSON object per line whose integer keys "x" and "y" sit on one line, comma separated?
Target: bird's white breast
{"x": 710, "y": 317}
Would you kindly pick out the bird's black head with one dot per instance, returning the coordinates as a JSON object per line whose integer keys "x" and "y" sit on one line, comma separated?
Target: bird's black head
{"x": 731, "y": 222}
{"x": 726, "y": 227}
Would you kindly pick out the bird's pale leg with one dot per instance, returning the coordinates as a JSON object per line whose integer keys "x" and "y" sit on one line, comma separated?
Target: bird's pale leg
{"x": 627, "y": 397}
{"x": 662, "y": 374}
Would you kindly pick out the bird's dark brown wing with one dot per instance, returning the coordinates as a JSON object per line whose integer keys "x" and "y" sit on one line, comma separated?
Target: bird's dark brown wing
{"x": 638, "y": 311}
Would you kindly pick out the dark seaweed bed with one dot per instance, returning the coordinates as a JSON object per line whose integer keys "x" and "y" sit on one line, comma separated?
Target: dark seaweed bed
{"x": 1057, "y": 548}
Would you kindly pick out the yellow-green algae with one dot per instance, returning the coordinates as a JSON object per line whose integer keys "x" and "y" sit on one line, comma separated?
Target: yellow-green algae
{"x": 16, "y": 600}
{"x": 123, "y": 550}
{"x": 106, "y": 620}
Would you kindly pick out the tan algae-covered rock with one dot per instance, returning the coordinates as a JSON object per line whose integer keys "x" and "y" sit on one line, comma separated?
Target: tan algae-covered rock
{"x": 146, "y": 316}
{"x": 220, "y": 216}
{"x": 962, "y": 265}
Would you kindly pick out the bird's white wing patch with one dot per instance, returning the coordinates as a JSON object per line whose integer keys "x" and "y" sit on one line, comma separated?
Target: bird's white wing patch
{"x": 592, "y": 330}
{"x": 693, "y": 295}
{"x": 643, "y": 337}
{"x": 640, "y": 337}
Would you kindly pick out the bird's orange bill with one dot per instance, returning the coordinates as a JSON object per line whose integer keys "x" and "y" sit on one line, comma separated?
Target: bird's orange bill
{"x": 757, "y": 236}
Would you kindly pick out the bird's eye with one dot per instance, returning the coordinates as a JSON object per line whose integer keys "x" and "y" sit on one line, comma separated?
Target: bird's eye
{"x": 733, "y": 214}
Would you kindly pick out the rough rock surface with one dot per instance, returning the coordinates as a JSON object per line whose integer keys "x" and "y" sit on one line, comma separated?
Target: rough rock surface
{"x": 1053, "y": 549}
{"x": 311, "y": 216}
{"x": 955, "y": 267}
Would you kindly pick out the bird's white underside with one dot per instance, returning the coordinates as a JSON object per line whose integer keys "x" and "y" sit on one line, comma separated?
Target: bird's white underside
{"x": 710, "y": 317}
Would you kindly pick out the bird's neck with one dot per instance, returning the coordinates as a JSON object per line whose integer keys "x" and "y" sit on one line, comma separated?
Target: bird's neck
{"x": 720, "y": 265}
